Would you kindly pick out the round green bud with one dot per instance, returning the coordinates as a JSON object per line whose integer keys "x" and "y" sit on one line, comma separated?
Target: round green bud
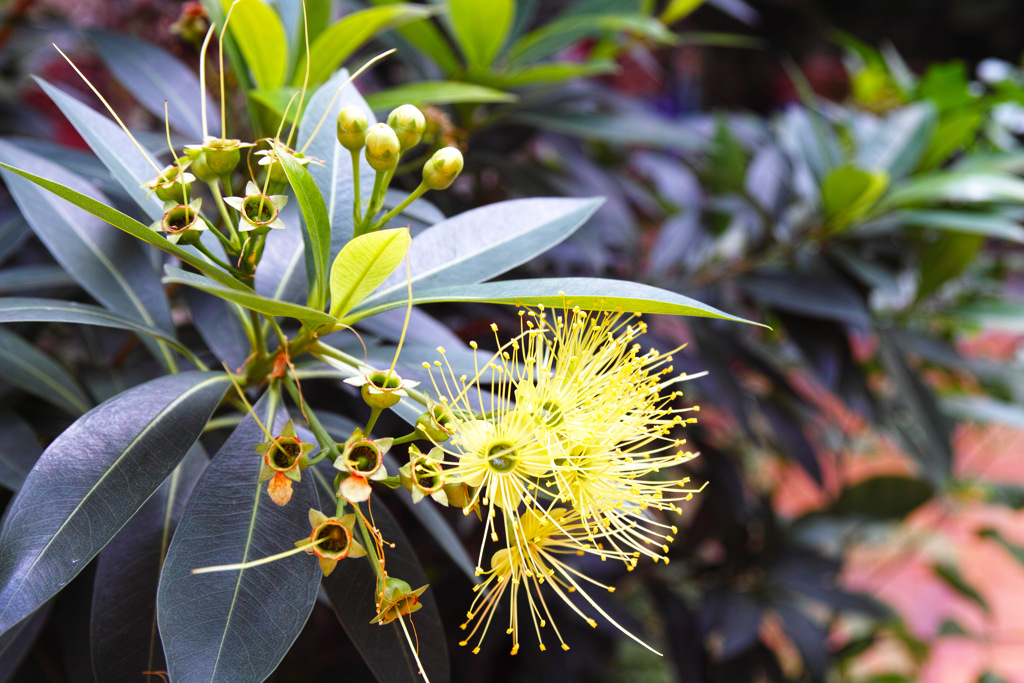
{"x": 442, "y": 169}
{"x": 352, "y": 128}
{"x": 408, "y": 123}
{"x": 202, "y": 168}
{"x": 382, "y": 147}
{"x": 222, "y": 156}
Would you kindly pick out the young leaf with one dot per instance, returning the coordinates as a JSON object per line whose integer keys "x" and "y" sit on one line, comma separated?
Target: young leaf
{"x": 848, "y": 193}
{"x": 480, "y": 29}
{"x": 318, "y": 224}
{"x": 364, "y": 263}
{"x": 92, "y": 479}
{"x": 237, "y": 625}
{"x": 248, "y": 298}
{"x": 260, "y": 37}
{"x": 436, "y": 92}
{"x": 32, "y": 371}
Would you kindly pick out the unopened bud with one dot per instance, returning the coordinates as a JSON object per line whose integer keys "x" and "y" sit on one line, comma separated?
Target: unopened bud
{"x": 352, "y": 128}
{"x": 442, "y": 169}
{"x": 382, "y": 147}
{"x": 408, "y": 123}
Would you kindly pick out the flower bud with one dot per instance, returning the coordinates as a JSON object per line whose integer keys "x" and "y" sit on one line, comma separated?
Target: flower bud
{"x": 181, "y": 223}
{"x": 216, "y": 157}
{"x": 172, "y": 183}
{"x": 381, "y": 390}
{"x": 424, "y": 475}
{"x": 436, "y": 423}
{"x": 442, "y": 169}
{"x": 352, "y": 128}
{"x": 397, "y": 599}
{"x": 408, "y": 123}
{"x": 382, "y": 147}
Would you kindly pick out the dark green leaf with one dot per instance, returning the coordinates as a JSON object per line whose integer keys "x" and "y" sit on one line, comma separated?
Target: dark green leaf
{"x": 318, "y": 225}
{"x": 122, "y": 632}
{"x": 949, "y": 574}
{"x": 248, "y": 299}
{"x": 1016, "y": 550}
{"x": 19, "y": 450}
{"x": 92, "y": 479}
{"x": 154, "y": 77}
{"x": 727, "y": 162}
{"x": 556, "y": 35}
{"x": 989, "y": 677}
{"x": 429, "y": 41}
{"x": 485, "y": 242}
{"x": 551, "y": 73}
{"x": 1010, "y": 495}
{"x": 32, "y": 371}
{"x": 848, "y": 193}
{"x": 815, "y": 297}
{"x": 34, "y": 278}
{"x": 888, "y": 498}
{"x": 945, "y": 259}
{"x": 592, "y": 294}
{"x": 436, "y": 92}
{"x": 237, "y": 625}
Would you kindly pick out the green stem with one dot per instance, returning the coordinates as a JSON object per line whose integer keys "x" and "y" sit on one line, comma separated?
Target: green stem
{"x": 374, "y": 414}
{"x": 357, "y": 203}
{"x": 339, "y": 508}
{"x": 380, "y": 185}
{"x": 201, "y": 248}
{"x": 277, "y": 329}
{"x": 371, "y": 554}
{"x": 412, "y": 436}
{"x": 229, "y": 224}
{"x": 327, "y": 444}
{"x": 260, "y": 345}
{"x": 413, "y": 196}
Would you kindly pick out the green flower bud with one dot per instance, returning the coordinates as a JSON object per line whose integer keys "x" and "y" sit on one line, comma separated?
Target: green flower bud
{"x": 442, "y": 169}
{"x": 381, "y": 390}
{"x": 352, "y": 128}
{"x": 436, "y": 423}
{"x": 382, "y": 147}
{"x": 408, "y": 123}
{"x": 216, "y": 157}
{"x": 172, "y": 183}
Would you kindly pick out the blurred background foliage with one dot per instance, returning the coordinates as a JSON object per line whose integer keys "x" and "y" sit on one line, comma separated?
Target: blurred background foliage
{"x": 846, "y": 173}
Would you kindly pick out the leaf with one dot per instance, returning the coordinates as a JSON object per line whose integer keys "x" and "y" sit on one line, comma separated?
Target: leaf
{"x": 282, "y": 271}
{"x": 341, "y": 39}
{"x": 318, "y": 225}
{"x": 154, "y": 77}
{"x": 945, "y": 259}
{"x": 1010, "y": 495}
{"x": 485, "y": 242}
{"x": 363, "y": 264}
{"x": 561, "y": 33}
{"x": 436, "y": 92}
{"x": 968, "y": 222}
{"x": 123, "y": 635}
{"x": 593, "y": 294}
{"x": 428, "y": 40}
{"x": 237, "y": 625}
{"x": 678, "y": 9}
{"x": 260, "y": 37}
{"x": 984, "y": 409}
{"x": 952, "y": 578}
{"x": 113, "y": 147}
{"x": 92, "y": 479}
{"x": 956, "y": 130}
{"x": 1015, "y": 550}
{"x": 131, "y": 226}
{"x": 1004, "y": 315}
{"x": 220, "y": 326}
{"x": 16, "y": 309}
{"x": 816, "y": 297}
{"x": 549, "y": 73}
{"x": 248, "y": 299}
{"x": 351, "y": 588}
{"x": 620, "y": 129}
{"x": 480, "y": 29}
{"x": 900, "y": 141}
{"x": 957, "y": 187}
{"x": 887, "y": 498}
{"x": 16, "y": 643}
{"x": 810, "y": 638}
{"x": 32, "y": 371}
{"x": 13, "y": 232}
{"x": 19, "y": 450}
{"x": 848, "y": 193}
{"x": 33, "y": 278}
{"x": 110, "y": 266}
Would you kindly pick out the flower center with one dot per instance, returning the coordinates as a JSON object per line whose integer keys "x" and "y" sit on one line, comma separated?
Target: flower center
{"x": 258, "y": 209}
{"x": 426, "y": 474}
{"x": 363, "y": 459}
{"x": 286, "y": 452}
{"x": 501, "y": 457}
{"x": 179, "y": 219}
{"x": 384, "y": 380}
{"x": 338, "y": 538}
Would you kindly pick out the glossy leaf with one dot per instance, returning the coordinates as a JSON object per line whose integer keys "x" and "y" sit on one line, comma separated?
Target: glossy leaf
{"x": 123, "y": 635}
{"x": 113, "y": 147}
{"x": 428, "y": 39}
{"x": 886, "y": 498}
{"x": 900, "y": 140}
{"x": 956, "y": 187}
{"x": 485, "y": 242}
{"x": 363, "y": 264}
{"x": 19, "y": 450}
{"x": 92, "y": 479}
{"x": 237, "y": 625}
{"x": 16, "y": 643}
{"x": 260, "y": 37}
{"x": 848, "y": 193}
{"x": 32, "y": 371}
{"x": 816, "y": 297}
{"x": 594, "y": 294}
{"x": 481, "y": 28}
{"x": 561, "y": 33}
{"x": 318, "y": 225}
{"x": 988, "y": 224}
{"x": 436, "y": 92}
{"x": 34, "y": 278}
{"x": 154, "y": 76}
{"x": 341, "y": 39}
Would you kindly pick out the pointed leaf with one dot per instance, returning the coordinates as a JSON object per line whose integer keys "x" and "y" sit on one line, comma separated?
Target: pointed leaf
{"x": 16, "y": 642}
{"x": 247, "y": 298}
{"x": 900, "y": 140}
{"x": 318, "y": 225}
{"x": 952, "y": 578}
{"x": 32, "y": 371}
{"x": 988, "y": 224}
{"x": 19, "y": 450}
{"x": 123, "y": 634}
{"x": 436, "y": 92}
{"x": 92, "y": 479}
{"x": 237, "y": 625}
{"x": 364, "y": 263}
{"x": 958, "y": 187}
{"x": 260, "y": 37}
{"x": 485, "y": 242}
{"x": 594, "y": 294}
{"x": 848, "y": 193}
{"x": 481, "y": 28}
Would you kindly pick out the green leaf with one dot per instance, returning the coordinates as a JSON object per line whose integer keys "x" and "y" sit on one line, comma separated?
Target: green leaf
{"x": 900, "y": 140}
{"x": 1012, "y": 548}
{"x": 623, "y": 129}
{"x": 945, "y": 259}
{"x": 957, "y": 187}
{"x": 592, "y": 294}
{"x": 260, "y": 37}
{"x": 130, "y": 226}
{"x": 237, "y": 625}
{"x": 848, "y": 193}
{"x": 19, "y": 451}
{"x": 727, "y": 162}
{"x": 436, "y": 92}
{"x": 428, "y": 40}
{"x": 549, "y": 73}
{"x": 248, "y": 298}
{"x": 20, "y": 309}
{"x": 34, "y": 278}
{"x": 481, "y": 28}
{"x": 346, "y": 36}
{"x": 949, "y": 574}
{"x": 364, "y": 263}
{"x": 1004, "y": 315}
{"x": 154, "y": 77}
{"x": 678, "y": 9}
{"x": 92, "y": 479}
{"x": 485, "y": 242}
{"x": 887, "y": 498}
{"x": 318, "y": 225}
{"x": 988, "y": 224}
{"x": 984, "y": 409}
{"x": 32, "y": 371}
{"x": 561, "y": 33}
